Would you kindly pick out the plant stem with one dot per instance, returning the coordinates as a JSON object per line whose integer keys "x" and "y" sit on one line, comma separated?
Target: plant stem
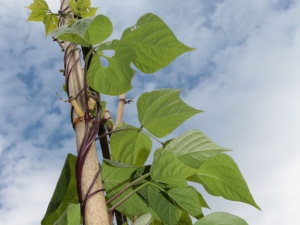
{"x": 150, "y": 135}
{"x": 115, "y": 131}
{"x": 128, "y": 186}
{"x": 127, "y": 196}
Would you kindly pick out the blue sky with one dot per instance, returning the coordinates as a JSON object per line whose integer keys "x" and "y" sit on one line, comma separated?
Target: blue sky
{"x": 244, "y": 75}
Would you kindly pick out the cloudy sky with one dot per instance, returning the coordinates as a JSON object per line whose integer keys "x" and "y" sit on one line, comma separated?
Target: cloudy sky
{"x": 244, "y": 75}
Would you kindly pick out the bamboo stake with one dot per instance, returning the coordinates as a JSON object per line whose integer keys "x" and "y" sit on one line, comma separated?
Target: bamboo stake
{"x": 121, "y": 105}
{"x": 96, "y": 211}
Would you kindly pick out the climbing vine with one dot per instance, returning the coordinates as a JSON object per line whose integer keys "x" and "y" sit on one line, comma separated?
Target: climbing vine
{"x": 159, "y": 193}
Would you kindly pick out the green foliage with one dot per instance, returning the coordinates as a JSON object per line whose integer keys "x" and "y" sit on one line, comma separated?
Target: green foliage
{"x": 132, "y": 147}
{"x": 64, "y": 194}
{"x": 114, "y": 79}
{"x": 82, "y": 8}
{"x": 162, "y": 111}
{"x": 115, "y": 177}
{"x": 220, "y": 176}
{"x": 154, "y": 42}
{"x": 193, "y": 148}
{"x": 71, "y": 216}
{"x": 160, "y": 191}
{"x": 221, "y": 218}
{"x": 85, "y": 32}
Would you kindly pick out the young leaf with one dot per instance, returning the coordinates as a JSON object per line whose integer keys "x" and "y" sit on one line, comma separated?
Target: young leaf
{"x": 115, "y": 178}
{"x": 193, "y": 148}
{"x": 114, "y": 79}
{"x": 86, "y": 32}
{"x": 221, "y": 218}
{"x": 187, "y": 199}
{"x": 81, "y": 8}
{"x": 162, "y": 111}
{"x": 221, "y": 176}
{"x": 64, "y": 193}
{"x": 71, "y": 216}
{"x": 38, "y": 5}
{"x": 51, "y": 23}
{"x": 131, "y": 146}
{"x": 166, "y": 168}
{"x": 162, "y": 206}
{"x": 155, "y": 44}
{"x": 37, "y": 15}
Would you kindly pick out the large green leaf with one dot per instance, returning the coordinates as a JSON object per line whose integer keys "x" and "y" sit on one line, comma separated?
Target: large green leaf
{"x": 187, "y": 199}
{"x": 155, "y": 44}
{"x": 114, "y": 79}
{"x": 221, "y": 218}
{"x": 166, "y": 168}
{"x": 86, "y": 32}
{"x": 221, "y": 176}
{"x": 115, "y": 177}
{"x": 131, "y": 146}
{"x": 193, "y": 148}
{"x": 162, "y": 111}
{"x": 166, "y": 210}
{"x": 64, "y": 194}
{"x": 71, "y": 216}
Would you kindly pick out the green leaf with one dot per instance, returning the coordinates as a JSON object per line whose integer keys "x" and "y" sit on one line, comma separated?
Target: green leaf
{"x": 81, "y": 8}
{"x": 37, "y": 15}
{"x": 143, "y": 220}
{"x": 220, "y": 176}
{"x": 185, "y": 219}
{"x": 155, "y": 44}
{"x": 51, "y": 23}
{"x": 88, "y": 12}
{"x": 187, "y": 199}
{"x": 221, "y": 218}
{"x": 193, "y": 148}
{"x": 162, "y": 206}
{"x": 38, "y": 5}
{"x": 65, "y": 192}
{"x": 162, "y": 111}
{"x": 114, "y": 79}
{"x": 130, "y": 146}
{"x": 86, "y": 32}
{"x": 166, "y": 168}
{"x": 71, "y": 216}
{"x": 115, "y": 179}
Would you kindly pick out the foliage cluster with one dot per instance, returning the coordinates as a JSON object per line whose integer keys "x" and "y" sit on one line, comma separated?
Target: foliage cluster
{"x": 159, "y": 193}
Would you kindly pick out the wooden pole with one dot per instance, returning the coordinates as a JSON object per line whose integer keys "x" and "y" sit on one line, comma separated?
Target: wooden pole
{"x": 95, "y": 210}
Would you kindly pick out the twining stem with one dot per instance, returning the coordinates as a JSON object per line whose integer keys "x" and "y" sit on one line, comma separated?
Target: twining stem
{"x": 127, "y": 196}
{"x": 128, "y": 186}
